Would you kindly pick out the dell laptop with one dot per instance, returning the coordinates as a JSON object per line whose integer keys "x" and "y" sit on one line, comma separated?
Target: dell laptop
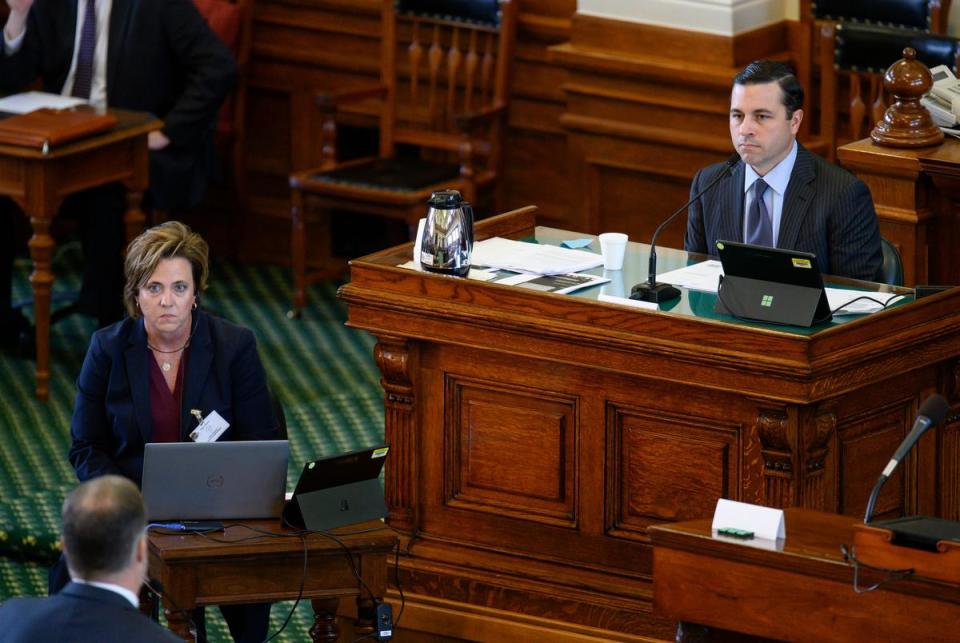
{"x": 339, "y": 490}
{"x": 771, "y": 285}
{"x": 214, "y": 480}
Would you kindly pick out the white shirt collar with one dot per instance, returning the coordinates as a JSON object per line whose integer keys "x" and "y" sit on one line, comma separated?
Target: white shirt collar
{"x": 116, "y": 589}
{"x": 778, "y": 177}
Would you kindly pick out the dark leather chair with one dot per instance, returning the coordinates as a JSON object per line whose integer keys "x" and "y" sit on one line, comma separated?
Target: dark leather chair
{"x": 927, "y": 15}
{"x": 891, "y": 273}
{"x": 442, "y": 105}
{"x": 820, "y": 17}
{"x": 861, "y": 55}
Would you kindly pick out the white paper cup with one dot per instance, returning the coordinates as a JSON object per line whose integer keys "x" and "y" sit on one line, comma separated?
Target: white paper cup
{"x": 613, "y": 245}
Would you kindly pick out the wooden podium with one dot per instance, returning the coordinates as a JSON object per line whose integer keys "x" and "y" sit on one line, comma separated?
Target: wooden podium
{"x": 801, "y": 589}
{"x": 917, "y": 196}
{"x": 536, "y": 438}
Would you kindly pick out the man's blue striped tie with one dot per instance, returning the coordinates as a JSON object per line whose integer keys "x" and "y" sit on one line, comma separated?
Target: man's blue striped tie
{"x": 83, "y": 77}
{"x": 759, "y": 226}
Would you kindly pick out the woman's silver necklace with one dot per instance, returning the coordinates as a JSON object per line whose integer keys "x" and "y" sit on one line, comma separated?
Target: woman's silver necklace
{"x": 167, "y": 364}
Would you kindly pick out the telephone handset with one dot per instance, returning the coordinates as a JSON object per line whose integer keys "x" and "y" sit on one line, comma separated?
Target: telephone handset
{"x": 943, "y": 99}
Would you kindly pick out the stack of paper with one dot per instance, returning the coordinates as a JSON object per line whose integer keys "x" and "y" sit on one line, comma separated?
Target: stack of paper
{"x": 31, "y": 101}
{"x": 519, "y": 256}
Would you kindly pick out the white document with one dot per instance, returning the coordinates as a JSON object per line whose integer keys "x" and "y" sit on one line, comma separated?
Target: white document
{"x": 31, "y": 101}
{"x": 559, "y": 284}
{"x": 626, "y": 301}
{"x": 520, "y": 256}
{"x": 419, "y": 242}
{"x": 703, "y": 276}
{"x": 837, "y": 297}
{"x": 764, "y": 522}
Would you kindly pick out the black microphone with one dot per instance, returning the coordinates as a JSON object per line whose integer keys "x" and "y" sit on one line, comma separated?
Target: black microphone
{"x": 932, "y": 412}
{"x": 657, "y": 292}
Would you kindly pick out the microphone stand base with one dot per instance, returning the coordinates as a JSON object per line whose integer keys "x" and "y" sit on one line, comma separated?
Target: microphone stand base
{"x": 655, "y": 293}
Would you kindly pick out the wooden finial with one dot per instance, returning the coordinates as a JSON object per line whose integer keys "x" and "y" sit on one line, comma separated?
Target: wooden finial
{"x": 907, "y": 123}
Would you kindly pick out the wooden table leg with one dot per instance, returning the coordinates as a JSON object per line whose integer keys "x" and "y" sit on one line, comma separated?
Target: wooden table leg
{"x": 325, "y": 620}
{"x": 178, "y": 622}
{"x": 366, "y": 615}
{"x": 41, "y": 252}
{"x": 298, "y": 252}
{"x": 134, "y": 220}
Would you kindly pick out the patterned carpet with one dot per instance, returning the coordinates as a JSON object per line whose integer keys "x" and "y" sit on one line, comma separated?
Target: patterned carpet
{"x": 322, "y": 372}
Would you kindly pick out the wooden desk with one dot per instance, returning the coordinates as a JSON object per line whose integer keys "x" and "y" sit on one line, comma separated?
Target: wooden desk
{"x": 39, "y": 183}
{"x": 801, "y": 592}
{"x": 917, "y": 196}
{"x": 536, "y": 437}
{"x": 230, "y": 567}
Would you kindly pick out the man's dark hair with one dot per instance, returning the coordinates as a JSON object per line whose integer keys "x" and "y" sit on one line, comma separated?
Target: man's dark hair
{"x": 102, "y": 521}
{"x": 768, "y": 71}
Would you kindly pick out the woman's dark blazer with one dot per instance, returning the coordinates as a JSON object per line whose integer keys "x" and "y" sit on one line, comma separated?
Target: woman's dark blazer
{"x": 112, "y": 421}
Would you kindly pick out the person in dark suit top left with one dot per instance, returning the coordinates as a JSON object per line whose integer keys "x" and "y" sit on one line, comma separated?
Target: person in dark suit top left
{"x": 105, "y": 544}
{"x": 156, "y": 56}
{"x": 148, "y": 377}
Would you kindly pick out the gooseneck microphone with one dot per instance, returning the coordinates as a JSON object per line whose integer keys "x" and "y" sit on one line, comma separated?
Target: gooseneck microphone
{"x": 932, "y": 412}
{"x": 655, "y": 292}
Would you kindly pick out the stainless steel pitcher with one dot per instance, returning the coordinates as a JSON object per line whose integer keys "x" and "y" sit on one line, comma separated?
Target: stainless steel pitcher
{"x": 447, "y": 235}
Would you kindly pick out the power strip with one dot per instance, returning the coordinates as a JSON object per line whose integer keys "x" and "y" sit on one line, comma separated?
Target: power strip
{"x": 384, "y": 622}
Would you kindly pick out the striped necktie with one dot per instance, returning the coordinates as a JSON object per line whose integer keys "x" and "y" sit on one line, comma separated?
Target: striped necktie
{"x": 83, "y": 77}
{"x": 759, "y": 226}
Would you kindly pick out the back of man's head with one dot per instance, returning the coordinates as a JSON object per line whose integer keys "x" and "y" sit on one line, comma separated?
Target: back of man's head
{"x": 102, "y": 521}
{"x": 760, "y": 72}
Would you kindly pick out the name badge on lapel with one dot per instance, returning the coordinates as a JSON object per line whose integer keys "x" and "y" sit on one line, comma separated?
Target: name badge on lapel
{"x": 210, "y": 427}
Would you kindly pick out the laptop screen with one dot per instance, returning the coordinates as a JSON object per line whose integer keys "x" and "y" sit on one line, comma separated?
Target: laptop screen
{"x": 214, "y": 480}
{"x": 771, "y": 285}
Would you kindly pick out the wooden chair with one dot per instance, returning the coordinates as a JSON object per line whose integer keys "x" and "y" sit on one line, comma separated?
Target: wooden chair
{"x": 443, "y": 96}
{"x": 861, "y": 55}
{"x": 820, "y": 18}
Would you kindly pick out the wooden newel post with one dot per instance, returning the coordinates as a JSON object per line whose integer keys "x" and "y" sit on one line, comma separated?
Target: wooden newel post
{"x": 907, "y": 123}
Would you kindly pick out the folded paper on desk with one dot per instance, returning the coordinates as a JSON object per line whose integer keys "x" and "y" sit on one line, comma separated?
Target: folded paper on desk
{"x": 50, "y": 127}
{"x": 559, "y": 284}
{"x": 29, "y": 101}
{"x": 534, "y": 258}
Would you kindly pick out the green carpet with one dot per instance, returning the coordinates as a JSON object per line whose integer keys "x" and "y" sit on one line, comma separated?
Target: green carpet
{"x": 322, "y": 372}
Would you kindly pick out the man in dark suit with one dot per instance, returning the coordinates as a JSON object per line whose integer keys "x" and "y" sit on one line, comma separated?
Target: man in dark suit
{"x": 148, "y": 55}
{"x": 105, "y": 544}
{"x": 782, "y": 195}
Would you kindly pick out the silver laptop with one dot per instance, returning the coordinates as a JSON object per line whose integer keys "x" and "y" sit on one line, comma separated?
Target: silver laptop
{"x": 214, "y": 480}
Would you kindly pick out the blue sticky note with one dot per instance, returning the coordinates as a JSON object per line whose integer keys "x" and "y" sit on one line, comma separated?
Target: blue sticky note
{"x": 576, "y": 243}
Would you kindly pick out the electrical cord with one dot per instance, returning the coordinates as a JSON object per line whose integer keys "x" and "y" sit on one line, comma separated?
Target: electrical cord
{"x": 850, "y": 556}
{"x": 883, "y": 305}
{"x": 178, "y": 529}
{"x": 157, "y": 589}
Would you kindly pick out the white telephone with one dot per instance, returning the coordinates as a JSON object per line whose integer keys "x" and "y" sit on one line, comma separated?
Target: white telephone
{"x": 943, "y": 99}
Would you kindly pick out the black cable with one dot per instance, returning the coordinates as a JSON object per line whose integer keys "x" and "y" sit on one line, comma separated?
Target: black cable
{"x": 303, "y": 582}
{"x": 883, "y": 305}
{"x": 850, "y": 556}
{"x": 157, "y": 589}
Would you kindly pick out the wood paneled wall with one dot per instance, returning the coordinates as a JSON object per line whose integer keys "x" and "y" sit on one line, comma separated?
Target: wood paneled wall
{"x": 608, "y": 121}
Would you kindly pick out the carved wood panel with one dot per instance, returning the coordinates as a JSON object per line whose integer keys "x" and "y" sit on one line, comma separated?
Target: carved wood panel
{"x": 511, "y": 450}
{"x": 865, "y": 443}
{"x": 393, "y": 360}
{"x": 705, "y": 465}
